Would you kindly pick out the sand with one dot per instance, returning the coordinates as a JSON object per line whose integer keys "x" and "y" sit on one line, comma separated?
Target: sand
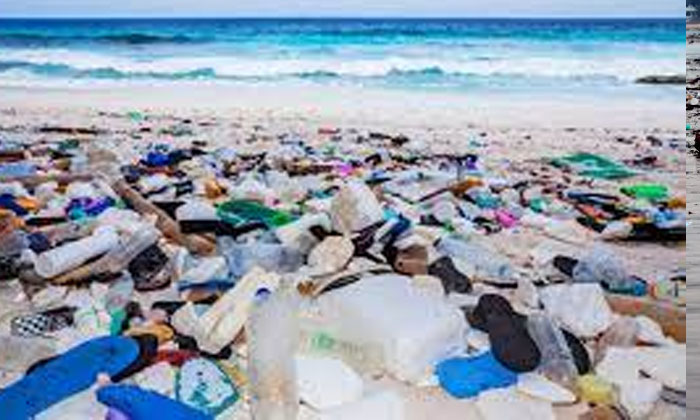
{"x": 511, "y": 129}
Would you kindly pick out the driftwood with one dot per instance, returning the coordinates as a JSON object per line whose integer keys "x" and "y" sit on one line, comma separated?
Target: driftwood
{"x": 169, "y": 227}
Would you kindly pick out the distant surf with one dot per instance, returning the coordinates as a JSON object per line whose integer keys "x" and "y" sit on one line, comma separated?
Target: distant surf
{"x": 409, "y": 54}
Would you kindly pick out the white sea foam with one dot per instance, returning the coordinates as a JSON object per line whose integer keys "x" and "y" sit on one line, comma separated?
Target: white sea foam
{"x": 625, "y": 68}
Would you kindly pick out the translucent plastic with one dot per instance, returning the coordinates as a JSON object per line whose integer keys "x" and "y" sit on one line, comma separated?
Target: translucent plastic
{"x": 272, "y": 340}
{"x": 600, "y": 265}
{"x": 315, "y": 339}
{"x": 557, "y": 361}
{"x": 622, "y": 333}
{"x": 241, "y": 258}
{"x": 485, "y": 263}
{"x": 119, "y": 257}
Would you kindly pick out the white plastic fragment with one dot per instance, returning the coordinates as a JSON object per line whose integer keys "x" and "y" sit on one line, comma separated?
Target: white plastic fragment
{"x": 355, "y": 207}
{"x": 414, "y": 329}
{"x": 326, "y": 382}
{"x": 581, "y": 308}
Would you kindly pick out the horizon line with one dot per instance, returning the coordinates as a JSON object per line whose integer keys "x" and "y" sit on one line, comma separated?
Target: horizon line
{"x": 319, "y": 17}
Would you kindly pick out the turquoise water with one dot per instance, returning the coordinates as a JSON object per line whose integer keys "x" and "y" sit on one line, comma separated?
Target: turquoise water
{"x": 472, "y": 54}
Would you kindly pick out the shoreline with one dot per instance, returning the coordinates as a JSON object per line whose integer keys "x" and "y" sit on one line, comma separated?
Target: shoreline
{"x": 365, "y": 106}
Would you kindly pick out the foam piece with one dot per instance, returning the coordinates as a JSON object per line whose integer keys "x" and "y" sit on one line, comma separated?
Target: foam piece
{"x": 414, "y": 330}
{"x": 326, "y": 382}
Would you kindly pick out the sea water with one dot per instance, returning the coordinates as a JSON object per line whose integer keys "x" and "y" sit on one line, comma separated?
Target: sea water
{"x": 459, "y": 55}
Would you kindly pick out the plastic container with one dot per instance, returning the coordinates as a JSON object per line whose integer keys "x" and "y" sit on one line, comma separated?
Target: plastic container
{"x": 557, "y": 361}
{"x": 602, "y": 266}
{"x": 317, "y": 339}
{"x": 272, "y": 334}
{"x": 414, "y": 330}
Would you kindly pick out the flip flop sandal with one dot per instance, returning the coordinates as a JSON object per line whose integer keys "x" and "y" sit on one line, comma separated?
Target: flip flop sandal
{"x": 68, "y": 374}
{"x": 453, "y": 281}
{"x": 510, "y": 339}
{"x": 43, "y": 323}
{"x": 139, "y": 404}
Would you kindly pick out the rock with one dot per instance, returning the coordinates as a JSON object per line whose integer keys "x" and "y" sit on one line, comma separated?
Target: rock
{"x": 676, "y": 79}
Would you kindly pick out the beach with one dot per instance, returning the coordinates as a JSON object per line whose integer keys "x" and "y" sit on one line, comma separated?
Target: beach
{"x": 136, "y": 99}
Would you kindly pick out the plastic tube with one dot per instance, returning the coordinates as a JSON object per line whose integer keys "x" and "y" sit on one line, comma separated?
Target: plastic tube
{"x": 67, "y": 257}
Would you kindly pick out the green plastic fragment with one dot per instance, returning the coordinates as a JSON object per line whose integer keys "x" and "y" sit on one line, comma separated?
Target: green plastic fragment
{"x": 237, "y": 212}
{"x": 651, "y": 192}
{"x": 595, "y": 166}
{"x": 115, "y": 325}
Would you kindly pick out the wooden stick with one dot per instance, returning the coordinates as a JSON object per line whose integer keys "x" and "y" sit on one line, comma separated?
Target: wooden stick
{"x": 169, "y": 227}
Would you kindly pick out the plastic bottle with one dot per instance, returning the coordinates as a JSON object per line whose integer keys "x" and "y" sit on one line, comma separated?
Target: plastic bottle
{"x": 67, "y": 257}
{"x": 557, "y": 361}
{"x": 485, "y": 263}
{"x": 120, "y": 256}
{"x": 272, "y": 334}
{"x": 602, "y": 266}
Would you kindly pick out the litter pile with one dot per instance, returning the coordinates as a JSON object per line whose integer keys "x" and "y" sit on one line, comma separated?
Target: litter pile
{"x": 331, "y": 281}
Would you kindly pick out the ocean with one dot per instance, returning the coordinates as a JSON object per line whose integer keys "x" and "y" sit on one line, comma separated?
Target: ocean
{"x": 459, "y": 55}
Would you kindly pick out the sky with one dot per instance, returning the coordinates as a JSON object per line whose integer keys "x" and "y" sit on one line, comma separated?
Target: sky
{"x": 358, "y": 8}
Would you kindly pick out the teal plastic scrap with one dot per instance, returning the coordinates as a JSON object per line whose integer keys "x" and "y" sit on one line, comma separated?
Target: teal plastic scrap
{"x": 595, "y": 166}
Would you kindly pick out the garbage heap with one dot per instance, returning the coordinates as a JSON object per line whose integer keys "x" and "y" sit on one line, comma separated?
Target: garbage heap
{"x": 335, "y": 280}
